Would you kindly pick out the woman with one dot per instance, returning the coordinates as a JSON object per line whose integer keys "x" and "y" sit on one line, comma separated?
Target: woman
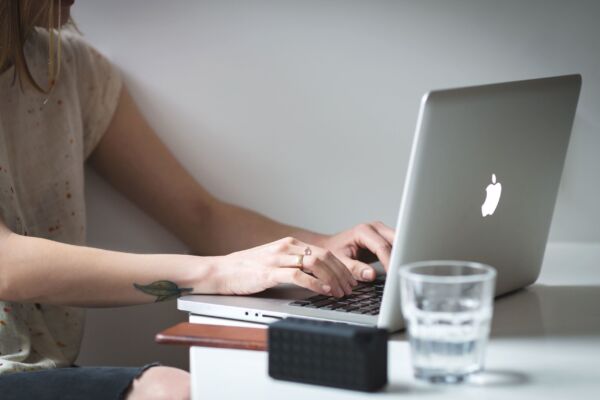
{"x": 50, "y": 125}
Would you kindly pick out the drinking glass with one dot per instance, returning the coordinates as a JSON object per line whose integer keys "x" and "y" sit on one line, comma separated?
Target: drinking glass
{"x": 447, "y": 306}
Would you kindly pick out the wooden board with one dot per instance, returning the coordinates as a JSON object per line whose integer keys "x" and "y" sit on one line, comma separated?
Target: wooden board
{"x": 226, "y": 337}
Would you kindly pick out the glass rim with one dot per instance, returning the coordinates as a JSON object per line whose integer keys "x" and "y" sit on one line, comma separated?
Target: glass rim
{"x": 487, "y": 272}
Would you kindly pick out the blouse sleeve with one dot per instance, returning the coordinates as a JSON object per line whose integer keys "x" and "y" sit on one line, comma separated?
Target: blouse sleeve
{"x": 99, "y": 87}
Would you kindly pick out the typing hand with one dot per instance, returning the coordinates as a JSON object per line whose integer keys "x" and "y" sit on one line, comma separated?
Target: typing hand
{"x": 283, "y": 261}
{"x": 361, "y": 245}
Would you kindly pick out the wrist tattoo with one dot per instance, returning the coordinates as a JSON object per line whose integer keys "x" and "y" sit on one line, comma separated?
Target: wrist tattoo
{"x": 163, "y": 290}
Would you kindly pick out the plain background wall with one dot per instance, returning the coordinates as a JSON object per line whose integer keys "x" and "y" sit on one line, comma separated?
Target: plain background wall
{"x": 305, "y": 110}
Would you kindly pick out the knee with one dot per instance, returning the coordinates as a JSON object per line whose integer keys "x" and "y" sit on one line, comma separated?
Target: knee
{"x": 161, "y": 383}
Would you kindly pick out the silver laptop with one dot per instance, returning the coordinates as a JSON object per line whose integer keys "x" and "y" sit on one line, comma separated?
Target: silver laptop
{"x": 482, "y": 180}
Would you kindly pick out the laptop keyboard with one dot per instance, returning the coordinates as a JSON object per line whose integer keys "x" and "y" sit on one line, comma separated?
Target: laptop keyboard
{"x": 365, "y": 299}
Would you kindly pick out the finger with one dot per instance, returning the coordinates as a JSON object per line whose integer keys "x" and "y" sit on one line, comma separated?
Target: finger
{"x": 337, "y": 267}
{"x": 318, "y": 267}
{"x": 341, "y": 270}
{"x": 385, "y": 231}
{"x": 360, "y": 270}
{"x": 297, "y": 277}
{"x": 322, "y": 270}
{"x": 335, "y": 264}
{"x": 370, "y": 239}
{"x": 297, "y": 248}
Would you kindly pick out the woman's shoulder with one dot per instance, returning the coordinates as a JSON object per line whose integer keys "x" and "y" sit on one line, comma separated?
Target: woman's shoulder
{"x": 76, "y": 43}
{"x": 38, "y": 44}
{"x": 74, "y": 49}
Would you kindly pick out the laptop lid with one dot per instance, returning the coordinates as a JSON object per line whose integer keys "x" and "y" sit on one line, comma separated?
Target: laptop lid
{"x": 505, "y": 142}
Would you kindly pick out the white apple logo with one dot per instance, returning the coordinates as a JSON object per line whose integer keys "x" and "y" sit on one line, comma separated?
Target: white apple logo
{"x": 492, "y": 197}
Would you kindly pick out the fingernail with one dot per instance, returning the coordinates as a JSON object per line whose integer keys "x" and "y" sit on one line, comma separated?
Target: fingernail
{"x": 326, "y": 288}
{"x": 366, "y": 274}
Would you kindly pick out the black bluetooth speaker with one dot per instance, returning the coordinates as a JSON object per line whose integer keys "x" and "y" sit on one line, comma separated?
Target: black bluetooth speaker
{"x": 328, "y": 353}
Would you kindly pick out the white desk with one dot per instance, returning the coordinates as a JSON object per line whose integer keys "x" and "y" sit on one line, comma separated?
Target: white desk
{"x": 545, "y": 343}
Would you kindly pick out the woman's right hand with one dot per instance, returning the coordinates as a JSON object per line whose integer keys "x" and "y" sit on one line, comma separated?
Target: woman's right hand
{"x": 259, "y": 268}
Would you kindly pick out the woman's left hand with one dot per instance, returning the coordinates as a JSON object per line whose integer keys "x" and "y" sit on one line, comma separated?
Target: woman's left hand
{"x": 361, "y": 245}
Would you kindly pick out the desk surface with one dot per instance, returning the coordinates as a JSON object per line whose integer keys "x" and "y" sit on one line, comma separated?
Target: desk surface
{"x": 545, "y": 343}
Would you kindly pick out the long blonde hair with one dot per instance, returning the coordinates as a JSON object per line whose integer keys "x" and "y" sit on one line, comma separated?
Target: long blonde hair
{"x": 18, "y": 18}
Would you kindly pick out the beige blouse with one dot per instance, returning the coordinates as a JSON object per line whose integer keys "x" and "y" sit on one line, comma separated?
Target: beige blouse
{"x": 44, "y": 142}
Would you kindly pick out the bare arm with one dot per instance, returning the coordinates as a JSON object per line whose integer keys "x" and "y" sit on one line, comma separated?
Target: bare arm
{"x": 43, "y": 271}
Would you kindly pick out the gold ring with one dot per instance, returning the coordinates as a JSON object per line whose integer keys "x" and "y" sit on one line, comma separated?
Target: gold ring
{"x": 300, "y": 260}
{"x": 307, "y": 251}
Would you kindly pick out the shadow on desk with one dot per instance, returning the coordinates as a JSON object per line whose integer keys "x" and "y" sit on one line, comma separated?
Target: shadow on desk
{"x": 543, "y": 311}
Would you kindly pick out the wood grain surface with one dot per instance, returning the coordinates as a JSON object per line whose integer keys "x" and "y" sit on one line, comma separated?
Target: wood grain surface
{"x": 226, "y": 337}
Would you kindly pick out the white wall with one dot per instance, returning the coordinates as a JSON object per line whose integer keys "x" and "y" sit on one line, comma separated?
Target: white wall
{"x": 305, "y": 110}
